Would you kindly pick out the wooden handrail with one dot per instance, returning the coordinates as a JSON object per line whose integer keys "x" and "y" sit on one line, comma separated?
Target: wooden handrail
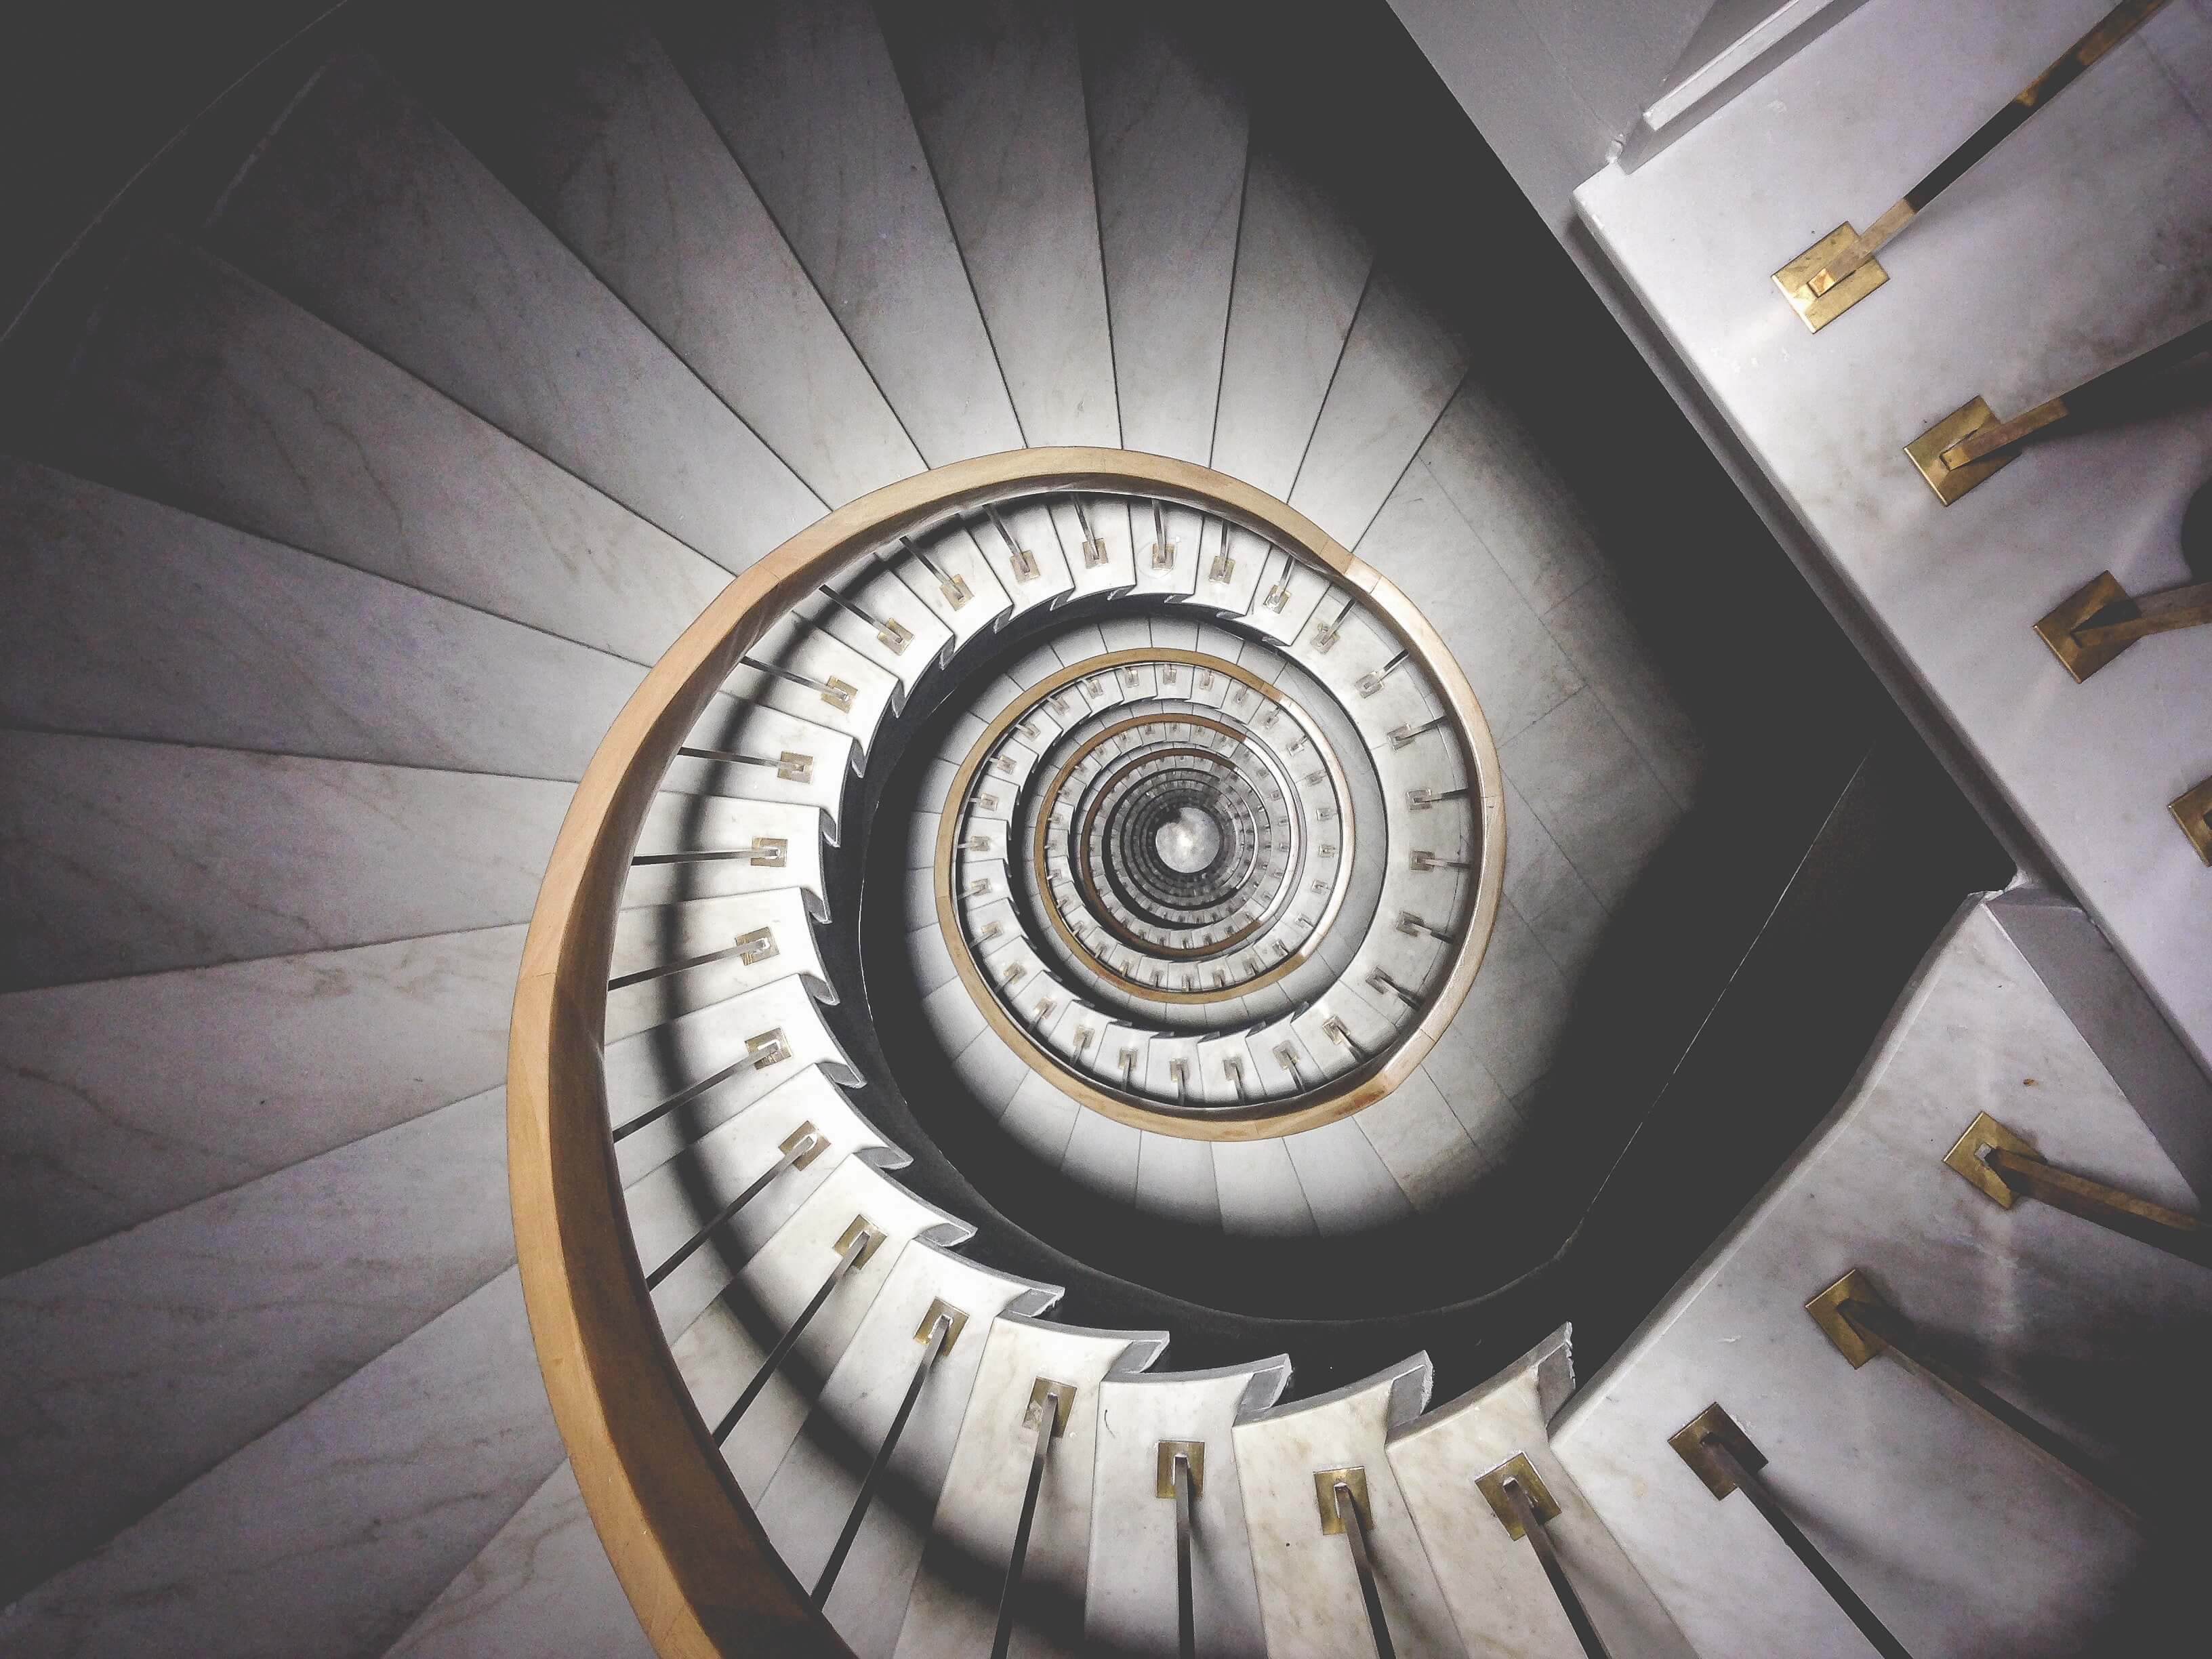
{"x": 690, "y": 1554}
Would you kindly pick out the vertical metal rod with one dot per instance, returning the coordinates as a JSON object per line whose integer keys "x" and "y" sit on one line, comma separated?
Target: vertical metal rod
{"x": 1355, "y": 1534}
{"x": 1764, "y": 1501}
{"x": 1186, "y": 1615}
{"x": 805, "y": 1145}
{"x": 856, "y": 1248}
{"x": 940, "y": 1329}
{"x": 1048, "y": 1421}
{"x": 1907, "y": 1345}
{"x": 1532, "y": 1529}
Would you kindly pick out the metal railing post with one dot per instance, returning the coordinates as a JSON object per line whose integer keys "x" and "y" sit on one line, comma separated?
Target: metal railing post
{"x": 1523, "y": 1504}
{"x": 1343, "y": 1495}
{"x": 854, "y": 1249}
{"x": 1047, "y": 1414}
{"x": 943, "y": 1324}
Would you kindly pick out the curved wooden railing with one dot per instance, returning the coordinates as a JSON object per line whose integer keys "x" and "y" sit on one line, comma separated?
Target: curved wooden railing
{"x": 690, "y": 1554}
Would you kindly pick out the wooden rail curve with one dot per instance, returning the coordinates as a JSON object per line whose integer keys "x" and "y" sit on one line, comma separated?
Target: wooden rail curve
{"x": 690, "y": 1554}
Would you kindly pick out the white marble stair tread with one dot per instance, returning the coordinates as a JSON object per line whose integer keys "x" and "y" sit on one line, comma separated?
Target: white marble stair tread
{"x": 771, "y": 740}
{"x": 2037, "y": 1299}
{"x": 950, "y": 575}
{"x": 1256, "y": 1185}
{"x": 1301, "y": 265}
{"x": 133, "y": 857}
{"x": 679, "y": 825}
{"x": 652, "y": 938}
{"x": 1421, "y": 1142}
{"x": 257, "y": 1300}
{"x": 807, "y": 1505}
{"x": 670, "y": 1085}
{"x": 917, "y": 641}
{"x": 721, "y": 1351}
{"x": 1167, "y": 552}
{"x": 1287, "y": 594}
{"x": 366, "y": 210}
{"x": 1167, "y": 142}
{"x": 996, "y": 97}
{"x": 1021, "y": 542}
{"x": 1108, "y": 522}
{"x": 669, "y": 1207}
{"x": 953, "y": 1611}
{"x": 198, "y": 386}
{"x": 1129, "y": 1603}
{"x": 136, "y": 1097}
{"x": 180, "y": 616}
{"x": 600, "y": 160}
{"x": 810, "y": 104}
{"x": 333, "y": 1530}
{"x": 1309, "y": 1595}
{"x": 850, "y": 692}
{"x": 542, "y": 1587}
{"x": 1492, "y": 1583}
{"x": 1401, "y": 364}
{"x": 1347, "y": 1184}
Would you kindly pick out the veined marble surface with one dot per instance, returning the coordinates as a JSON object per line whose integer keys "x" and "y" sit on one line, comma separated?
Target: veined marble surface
{"x": 373, "y": 215}
{"x": 2092, "y": 221}
{"x": 1898, "y": 1484}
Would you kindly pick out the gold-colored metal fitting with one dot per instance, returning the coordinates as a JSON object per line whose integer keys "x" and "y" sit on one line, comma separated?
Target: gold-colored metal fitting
{"x": 1094, "y": 553}
{"x": 767, "y": 1049}
{"x": 767, "y": 852}
{"x": 895, "y": 635}
{"x": 1221, "y": 569}
{"x": 1523, "y": 1474}
{"x": 2057, "y": 630}
{"x": 938, "y": 1310}
{"x": 794, "y": 769}
{"x": 870, "y": 1237}
{"x": 838, "y": 693}
{"x": 1855, "y": 1344}
{"x": 1796, "y": 279}
{"x": 954, "y": 589}
{"x": 1279, "y": 595}
{"x": 797, "y": 1139}
{"x": 979, "y": 843}
{"x": 1926, "y": 451}
{"x": 1164, "y": 555}
{"x": 758, "y": 945}
{"x": 2193, "y": 812}
{"x": 1714, "y": 1424}
{"x": 1025, "y": 565}
{"x": 1062, "y": 1396}
{"x": 1326, "y": 1481}
{"x": 1966, "y": 1155}
{"x": 1193, "y": 1452}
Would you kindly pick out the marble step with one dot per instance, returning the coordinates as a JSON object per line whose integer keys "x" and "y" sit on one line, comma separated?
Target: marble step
{"x": 811, "y": 673}
{"x": 721, "y": 1351}
{"x": 811, "y": 106}
{"x": 200, "y": 386}
{"x": 737, "y": 943}
{"x": 671, "y": 1207}
{"x": 541, "y": 1587}
{"x": 2074, "y": 1325}
{"x": 954, "y": 1609}
{"x": 336, "y": 1527}
{"x": 669, "y": 1086}
{"x": 874, "y": 612}
{"x": 683, "y": 850}
{"x": 1310, "y": 1594}
{"x": 365, "y": 209}
{"x": 1493, "y": 1584}
{"x": 807, "y": 1505}
{"x": 1130, "y": 1597}
{"x": 948, "y": 572}
{"x": 592, "y": 126}
{"x": 785, "y": 758}
{"x": 195, "y": 633}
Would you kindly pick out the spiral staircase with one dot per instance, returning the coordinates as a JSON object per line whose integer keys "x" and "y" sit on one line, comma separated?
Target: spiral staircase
{"x": 846, "y": 738}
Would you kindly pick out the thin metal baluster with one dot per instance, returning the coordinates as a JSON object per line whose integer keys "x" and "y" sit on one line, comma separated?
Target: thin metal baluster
{"x": 1733, "y": 1469}
{"x": 856, "y": 1247}
{"x": 1186, "y": 1616}
{"x": 940, "y": 1331}
{"x": 1045, "y": 1405}
{"x": 1532, "y": 1529}
{"x": 1355, "y": 1534}
{"x": 795, "y": 1154}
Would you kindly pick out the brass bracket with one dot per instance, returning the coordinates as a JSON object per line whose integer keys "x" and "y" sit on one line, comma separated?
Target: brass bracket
{"x": 767, "y": 1049}
{"x": 1193, "y": 1452}
{"x": 2193, "y": 812}
{"x": 1062, "y": 1395}
{"x": 858, "y": 1226}
{"x": 758, "y": 945}
{"x": 794, "y": 769}
{"x": 1827, "y": 1310}
{"x": 941, "y": 1309}
{"x": 1926, "y": 451}
{"x": 1714, "y": 1424}
{"x": 1517, "y": 1469}
{"x": 1818, "y": 310}
{"x": 1325, "y": 1485}
{"x": 797, "y": 1138}
{"x": 1966, "y": 1155}
{"x": 2057, "y": 630}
